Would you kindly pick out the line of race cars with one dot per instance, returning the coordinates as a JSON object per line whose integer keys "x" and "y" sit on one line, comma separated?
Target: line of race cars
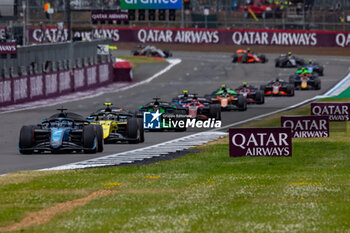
{"x": 305, "y": 78}
{"x": 66, "y": 132}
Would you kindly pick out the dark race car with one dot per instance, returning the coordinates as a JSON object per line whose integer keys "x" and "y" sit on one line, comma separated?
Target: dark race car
{"x": 305, "y": 81}
{"x": 150, "y": 50}
{"x": 288, "y": 61}
{"x": 278, "y": 88}
{"x": 62, "y": 132}
{"x": 169, "y": 113}
{"x": 228, "y": 99}
{"x": 252, "y": 94}
{"x": 244, "y": 56}
{"x": 201, "y": 108}
{"x": 314, "y": 67}
{"x": 118, "y": 125}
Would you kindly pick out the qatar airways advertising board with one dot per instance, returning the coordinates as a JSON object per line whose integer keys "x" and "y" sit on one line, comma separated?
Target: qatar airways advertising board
{"x": 199, "y": 36}
{"x": 334, "y": 111}
{"x": 260, "y": 142}
{"x": 307, "y": 126}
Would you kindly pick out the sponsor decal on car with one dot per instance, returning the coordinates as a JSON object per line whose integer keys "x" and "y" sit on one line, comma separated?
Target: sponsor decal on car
{"x": 335, "y": 111}
{"x": 307, "y": 126}
{"x": 260, "y": 142}
{"x": 153, "y": 120}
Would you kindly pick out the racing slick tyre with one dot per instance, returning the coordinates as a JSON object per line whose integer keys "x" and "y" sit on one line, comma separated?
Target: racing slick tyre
{"x": 26, "y": 139}
{"x": 244, "y": 58}
{"x": 320, "y": 71}
{"x": 181, "y": 112}
{"x": 242, "y": 103}
{"x": 167, "y": 53}
{"x": 259, "y": 97}
{"x": 290, "y": 90}
{"x": 263, "y": 58}
{"x": 213, "y": 111}
{"x": 99, "y": 136}
{"x": 235, "y": 58}
{"x": 292, "y": 80}
{"x": 317, "y": 83}
{"x": 89, "y": 139}
{"x": 263, "y": 87}
{"x": 135, "y": 53}
{"x": 133, "y": 130}
{"x": 142, "y": 131}
{"x": 277, "y": 64}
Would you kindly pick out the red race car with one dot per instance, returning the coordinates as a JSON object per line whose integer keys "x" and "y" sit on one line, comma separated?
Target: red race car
{"x": 245, "y": 56}
{"x": 202, "y": 109}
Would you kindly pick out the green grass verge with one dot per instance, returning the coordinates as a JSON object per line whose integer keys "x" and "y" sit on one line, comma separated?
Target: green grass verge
{"x": 135, "y": 60}
{"x": 203, "y": 192}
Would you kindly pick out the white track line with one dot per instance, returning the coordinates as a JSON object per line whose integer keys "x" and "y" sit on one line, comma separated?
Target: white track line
{"x": 88, "y": 94}
{"x": 157, "y": 150}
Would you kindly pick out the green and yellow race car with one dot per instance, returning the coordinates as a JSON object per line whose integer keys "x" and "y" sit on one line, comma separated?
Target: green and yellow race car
{"x": 118, "y": 125}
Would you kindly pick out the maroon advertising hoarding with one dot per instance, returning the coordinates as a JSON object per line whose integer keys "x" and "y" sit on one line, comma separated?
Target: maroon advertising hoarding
{"x": 49, "y": 85}
{"x": 110, "y": 15}
{"x": 307, "y": 126}
{"x": 260, "y": 142}
{"x": 201, "y": 36}
{"x": 335, "y": 111}
{"x": 8, "y": 48}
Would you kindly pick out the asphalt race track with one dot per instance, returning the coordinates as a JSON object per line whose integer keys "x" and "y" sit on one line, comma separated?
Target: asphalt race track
{"x": 198, "y": 73}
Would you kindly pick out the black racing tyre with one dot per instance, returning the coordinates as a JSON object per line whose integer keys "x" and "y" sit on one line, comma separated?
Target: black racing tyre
{"x": 244, "y": 58}
{"x": 133, "y": 130}
{"x": 135, "y": 52}
{"x": 292, "y": 80}
{"x": 317, "y": 83}
{"x": 290, "y": 90}
{"x": 260, "y": 97}
{"x": 320, "y": 71}
{"x": 89, "y": 139}
{"x": 99, "y": 136}
{"x": 263, "y": 58}
{"x": 235, "y": 58}
{"x": 218, "y": 117}
{"x": 242, "y": 103}
{"x": 277, "y": 64}
{"x": 180, "y": 112}
{"x": 26, "y": 139}
{"x": 142, "y": 130}
{"x": 213, "y": 111}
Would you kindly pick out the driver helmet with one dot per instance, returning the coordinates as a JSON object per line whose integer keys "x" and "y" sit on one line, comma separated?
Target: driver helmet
{"x": 310, "y": 61}
{"x": 223, "y": 87}
{"x": 185, "y": 93}
{"x": 244, "y": 84}
{"x": 289, "y": 53}
{"x": 248, "y": 50}
{"x": 277, "y": 79}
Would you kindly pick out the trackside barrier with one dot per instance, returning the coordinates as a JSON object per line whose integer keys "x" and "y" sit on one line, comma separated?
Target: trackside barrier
{"x": 263, "y": 37}
{"x": 49, "y": 85}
